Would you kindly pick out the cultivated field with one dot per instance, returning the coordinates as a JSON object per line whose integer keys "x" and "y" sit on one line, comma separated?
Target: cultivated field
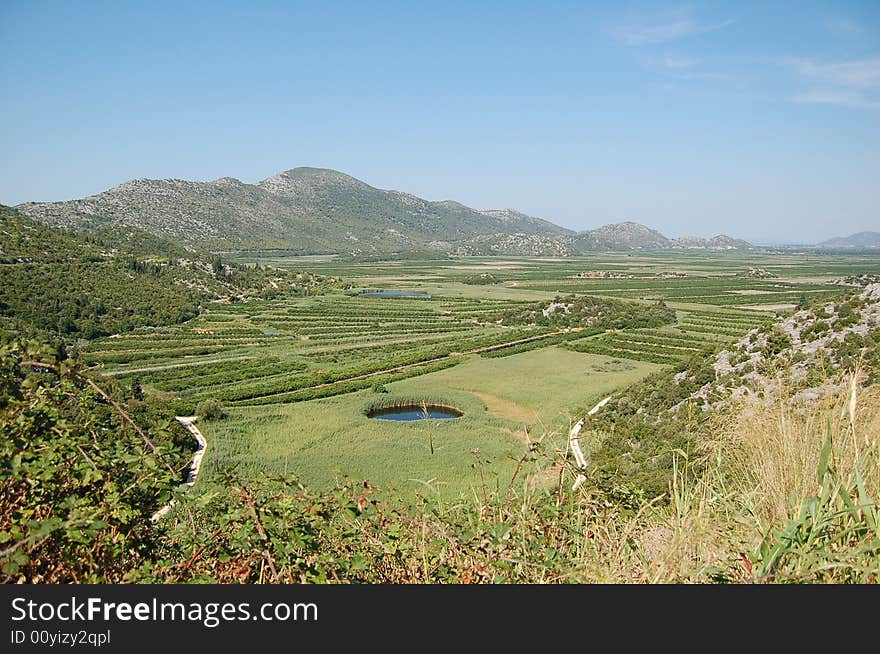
{"x": 296, "y": 374}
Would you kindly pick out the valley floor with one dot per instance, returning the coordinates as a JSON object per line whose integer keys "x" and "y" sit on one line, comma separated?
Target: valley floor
{"x": 296, "y": 374}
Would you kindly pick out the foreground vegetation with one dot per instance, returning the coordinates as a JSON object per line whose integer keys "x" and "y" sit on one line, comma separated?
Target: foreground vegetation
{"x": 788, "y": 494}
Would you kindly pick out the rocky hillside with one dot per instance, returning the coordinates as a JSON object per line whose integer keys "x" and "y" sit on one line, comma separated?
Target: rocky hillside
{"x": 304, "y": 209}
{"x": 630, "y": 235}
{"x": 799, "y": 352}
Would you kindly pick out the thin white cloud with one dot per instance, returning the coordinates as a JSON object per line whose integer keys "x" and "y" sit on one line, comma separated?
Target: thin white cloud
{"x": 698, "y": 75}
{"x": 837, "y": 97}
{"x": 859, "y": 74}
{"x": 677, "y": 26}
{"x": 854, "y": 83}
{"x": 843, "y": 27}
{"x": 677, "y": 63}
{"x": 681, "y": 68}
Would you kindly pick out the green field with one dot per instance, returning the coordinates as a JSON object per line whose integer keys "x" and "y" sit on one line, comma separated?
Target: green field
{"x": 504, "y": 406}
{"x": 295, "y": 374}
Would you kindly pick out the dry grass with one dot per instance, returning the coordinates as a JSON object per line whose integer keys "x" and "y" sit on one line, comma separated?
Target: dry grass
{"x": 774, "y": 452}
{"x": 790, "y": 493}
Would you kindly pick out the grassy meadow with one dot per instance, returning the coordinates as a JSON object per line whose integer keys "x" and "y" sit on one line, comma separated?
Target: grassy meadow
{"x": 504, "y": 407}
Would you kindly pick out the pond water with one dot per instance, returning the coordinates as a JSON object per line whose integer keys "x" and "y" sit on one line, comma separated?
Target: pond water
{"x": 394, "y": 292}
{"x": 415, "y": 412}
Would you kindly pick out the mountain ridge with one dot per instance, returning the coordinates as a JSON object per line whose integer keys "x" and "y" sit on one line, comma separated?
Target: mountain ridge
{"x": 320, "y": 210}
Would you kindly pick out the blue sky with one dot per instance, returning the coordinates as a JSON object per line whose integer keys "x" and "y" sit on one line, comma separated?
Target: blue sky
{"x": 761, "y": 120}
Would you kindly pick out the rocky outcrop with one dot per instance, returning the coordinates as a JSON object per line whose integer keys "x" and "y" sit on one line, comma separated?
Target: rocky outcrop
{"x": 822, "y": 338}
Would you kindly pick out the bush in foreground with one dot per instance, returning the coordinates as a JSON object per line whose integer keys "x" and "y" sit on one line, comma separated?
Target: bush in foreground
{"x": 210, "y": 410}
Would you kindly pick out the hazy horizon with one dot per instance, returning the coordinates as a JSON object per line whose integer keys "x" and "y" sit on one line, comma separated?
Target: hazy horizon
{"x": 757, "y": 121}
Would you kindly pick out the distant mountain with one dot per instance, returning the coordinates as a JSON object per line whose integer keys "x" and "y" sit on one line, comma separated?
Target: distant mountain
{"x": 303, "y": 209}
{"x": 635, "y": 236}
{"x": 629, "y": 235}
{"x": 859, "y": 240}
{"x": 720, "y": 242}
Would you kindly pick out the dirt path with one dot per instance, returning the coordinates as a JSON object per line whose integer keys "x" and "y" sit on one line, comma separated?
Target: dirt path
{"x": 574, "y": 442}
{"x": 489, "y": 348}
{"x": 194, "y": 467}
{"x": 173, "y": 366}
{"x": 505, "y": 408}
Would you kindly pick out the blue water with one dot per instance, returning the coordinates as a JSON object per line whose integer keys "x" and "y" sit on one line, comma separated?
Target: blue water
{"x": 395, "y": 293}
{"x": 411, "y": 413}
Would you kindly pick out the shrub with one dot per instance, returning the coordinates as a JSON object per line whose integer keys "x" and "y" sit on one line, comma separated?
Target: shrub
{"x": 210, "y": 410}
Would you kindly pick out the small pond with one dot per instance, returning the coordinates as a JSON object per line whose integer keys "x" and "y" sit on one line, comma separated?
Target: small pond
{"x": 395, "y": 292}
{"x": 409, "y": 412}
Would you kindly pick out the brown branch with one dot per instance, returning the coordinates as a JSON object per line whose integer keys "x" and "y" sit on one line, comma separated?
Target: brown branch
{"x": 186, "y": 566}
{"x": 513, "y": 479}
{"x": 86, "y": 456}
{"x": 123, "y": 413}
{"x": 253, "y": 509}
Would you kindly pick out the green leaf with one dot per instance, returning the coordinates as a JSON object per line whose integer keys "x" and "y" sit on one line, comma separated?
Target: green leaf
{"x": 825, "y": 455}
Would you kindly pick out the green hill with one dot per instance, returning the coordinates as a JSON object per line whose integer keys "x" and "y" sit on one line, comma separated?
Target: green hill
{"x": 115, "y": 279}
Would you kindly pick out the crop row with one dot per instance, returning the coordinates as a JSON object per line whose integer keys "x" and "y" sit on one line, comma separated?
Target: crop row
{"x": 191, "y": 332}
{"x": 109, "y": 349}
{"x": 720, "y": 332}
{"x": 738, "y": 328}
{"x": 683, "y": 285}
{"x": 229, "y": 375}
{"x": 381, "y": 336}
{"x": 352, "y": 385}
{"x": 283, "y": 383}
{"x": 266, "y": 376}
{"x": 171, "y": 353}
{"x": 596, "y": 346}
{"x": 648, "y": 346}
{"x": 556, "y": 339}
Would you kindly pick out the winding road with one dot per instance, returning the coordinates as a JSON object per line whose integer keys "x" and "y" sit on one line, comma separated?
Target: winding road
{"x": 194, "y": 467}
{"x": 574, "y": 442}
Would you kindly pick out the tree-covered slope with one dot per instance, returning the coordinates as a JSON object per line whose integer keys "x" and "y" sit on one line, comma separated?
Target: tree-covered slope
{"x": 88, "y": 285}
